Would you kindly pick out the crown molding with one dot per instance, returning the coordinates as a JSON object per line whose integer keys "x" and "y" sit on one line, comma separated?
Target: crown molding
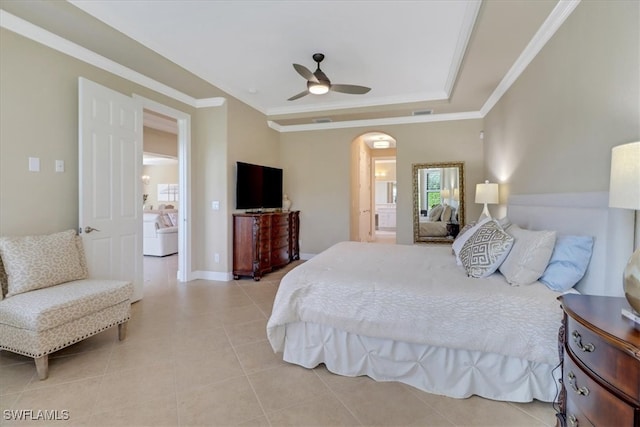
{"x": 210, "y": 102}
{"x": 375, "y": 122}
{"x": 53, "y": 41}
{"x": 470, "y": 15}
{"x": 556, "y": 18}
{"x": 373, "y": 102}
{"x": 563, "y": 9}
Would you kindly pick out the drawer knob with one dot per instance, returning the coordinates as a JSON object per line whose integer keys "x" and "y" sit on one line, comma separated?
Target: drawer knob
{"x": 583, "y": 391}
{"x": 573, "y": 421}
{"x": 587, "y": 348}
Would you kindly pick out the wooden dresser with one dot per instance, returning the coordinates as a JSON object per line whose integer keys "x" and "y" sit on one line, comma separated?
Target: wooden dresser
{"x": 601, "y": 363}
{"x": 263, "y": 242}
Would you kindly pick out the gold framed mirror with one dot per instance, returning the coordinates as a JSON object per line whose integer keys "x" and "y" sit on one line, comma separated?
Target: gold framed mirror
{"x": 438, "y": 201}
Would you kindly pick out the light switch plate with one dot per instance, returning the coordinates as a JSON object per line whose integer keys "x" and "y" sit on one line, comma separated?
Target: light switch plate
{"x": 215, "y": 205}
{"x": 34, "y": 164}
{"x": 59, "y": 165}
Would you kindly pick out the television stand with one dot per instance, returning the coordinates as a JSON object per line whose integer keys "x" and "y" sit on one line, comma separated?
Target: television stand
{"x": 263, "y": 242}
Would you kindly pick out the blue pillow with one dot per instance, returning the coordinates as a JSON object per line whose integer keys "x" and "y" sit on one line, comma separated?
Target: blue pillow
{"x": 568, "y": 263}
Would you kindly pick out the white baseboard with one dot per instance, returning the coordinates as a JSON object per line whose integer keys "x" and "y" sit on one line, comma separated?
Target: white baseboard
{"x": 219, "y": 276}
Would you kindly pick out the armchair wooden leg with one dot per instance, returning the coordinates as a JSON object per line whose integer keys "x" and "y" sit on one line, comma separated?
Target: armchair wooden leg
{"x": 122, "y": 331}
{"x": 42, "y": 366}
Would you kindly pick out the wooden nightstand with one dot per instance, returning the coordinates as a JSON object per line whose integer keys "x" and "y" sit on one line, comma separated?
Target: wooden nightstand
{"x": 601, "y": 363}
{"x": 453, "y": 228}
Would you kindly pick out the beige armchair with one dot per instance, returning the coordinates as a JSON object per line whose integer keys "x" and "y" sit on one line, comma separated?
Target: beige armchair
{"x": 48, "y": 301}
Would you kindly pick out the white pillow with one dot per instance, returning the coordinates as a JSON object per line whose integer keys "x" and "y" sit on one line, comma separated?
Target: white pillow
{"x": 485, "y": 251}
{"x": 35, "y": 262}
{"x": 435, "y": 213}
{"x": 462, "y": 238}
{"x": 529, "y": 256}
{"x": 446, "y": 214}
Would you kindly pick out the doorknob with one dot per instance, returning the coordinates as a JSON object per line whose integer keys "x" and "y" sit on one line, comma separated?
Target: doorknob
{"x": 89, "y": 229}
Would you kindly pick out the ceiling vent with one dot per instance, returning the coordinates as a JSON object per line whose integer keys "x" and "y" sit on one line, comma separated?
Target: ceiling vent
{"x": 322, "y": 120}
{"x": 422, "y": 112}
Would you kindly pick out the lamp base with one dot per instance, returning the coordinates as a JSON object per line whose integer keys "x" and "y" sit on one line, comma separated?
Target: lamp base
{"x": 632, "y": 281}
{"x": 485, "y": 211}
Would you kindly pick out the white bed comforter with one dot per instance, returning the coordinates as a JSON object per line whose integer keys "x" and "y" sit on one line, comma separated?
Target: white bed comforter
{"x": 417, "y": 294}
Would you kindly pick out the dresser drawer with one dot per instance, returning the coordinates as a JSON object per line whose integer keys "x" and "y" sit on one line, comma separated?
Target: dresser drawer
{"x": 575, "y": 417}
{"x": 588, "y": 397}
{"x": 598, "y": 355}
{"x": 280, "y": 242}
{"x": 278, "y": 232}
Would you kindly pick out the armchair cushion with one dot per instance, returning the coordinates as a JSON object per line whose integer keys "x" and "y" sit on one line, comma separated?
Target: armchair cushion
{"x": 57, "y": 305}
{"x": 36, "y": 262}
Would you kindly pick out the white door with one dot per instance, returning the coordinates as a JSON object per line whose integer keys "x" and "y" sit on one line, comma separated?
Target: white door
{"x": 110, "y": 196}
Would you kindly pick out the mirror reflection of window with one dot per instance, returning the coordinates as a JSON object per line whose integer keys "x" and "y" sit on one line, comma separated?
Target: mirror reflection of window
{"x": 432, "y": 186}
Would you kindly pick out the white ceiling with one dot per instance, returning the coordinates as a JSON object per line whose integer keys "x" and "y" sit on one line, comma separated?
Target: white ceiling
{"x": 404, "y": 50}
{"x": 450, "y": 56}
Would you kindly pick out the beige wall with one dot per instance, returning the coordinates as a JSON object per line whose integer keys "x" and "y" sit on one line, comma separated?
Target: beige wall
{"x": 209, "y": 183}
{"x": 554, "y": 129}
{"x": 39, "y": 118}
{"x": 318, "y": 165}
{"x": 166, "y": 144}
{"x": 158, "y": 174}
{"x": 160, "y": 142}
{"x": 454, "y": 141}
{"x": 551, "y": 132}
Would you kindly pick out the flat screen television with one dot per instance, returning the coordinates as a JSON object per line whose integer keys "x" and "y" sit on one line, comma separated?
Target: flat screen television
{"x": 258, "y": 187}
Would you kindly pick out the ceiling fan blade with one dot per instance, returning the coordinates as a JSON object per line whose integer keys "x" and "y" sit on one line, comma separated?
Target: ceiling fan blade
{"x": 300, "y": 95}
{"x": 352, "y": 89}
{"x": 304, "y": 72}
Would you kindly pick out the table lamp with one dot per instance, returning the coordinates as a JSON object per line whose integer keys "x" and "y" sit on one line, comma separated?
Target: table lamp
{"x": 487, "y": 193}
{"x": 624, "y": 192}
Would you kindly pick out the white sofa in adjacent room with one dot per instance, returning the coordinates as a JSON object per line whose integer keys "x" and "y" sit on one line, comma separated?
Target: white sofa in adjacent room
{"x": 160, "y": 232}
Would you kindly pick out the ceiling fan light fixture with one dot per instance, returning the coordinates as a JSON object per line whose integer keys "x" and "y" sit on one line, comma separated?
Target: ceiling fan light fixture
{"x": 318, "y": 88}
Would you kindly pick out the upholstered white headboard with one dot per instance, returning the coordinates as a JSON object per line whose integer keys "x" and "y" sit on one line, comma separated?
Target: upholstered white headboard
{"x": 583, "y": 214}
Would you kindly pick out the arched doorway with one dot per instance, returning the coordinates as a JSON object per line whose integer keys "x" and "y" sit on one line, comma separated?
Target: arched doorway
{"x": 373, "y": 188}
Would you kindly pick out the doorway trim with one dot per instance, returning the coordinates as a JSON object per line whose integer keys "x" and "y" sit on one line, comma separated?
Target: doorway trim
{"x": 366, "y": 139}
{"x": 184, "y": 182}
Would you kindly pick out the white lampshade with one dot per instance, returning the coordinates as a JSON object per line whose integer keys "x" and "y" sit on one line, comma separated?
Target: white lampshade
{"x": 487, "y": 193}
{"x": 624, "y": 192}
{"x": 445, "y": 193}
{"x": 624, "y": 185}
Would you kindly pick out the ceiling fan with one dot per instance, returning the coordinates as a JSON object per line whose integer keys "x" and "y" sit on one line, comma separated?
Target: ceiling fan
{"x": 318, "y": 83}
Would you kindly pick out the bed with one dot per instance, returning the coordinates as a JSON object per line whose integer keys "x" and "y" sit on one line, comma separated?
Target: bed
{"x": 408, "y": 313}
{"x": 432, "y": 228}
{"x": 434, "y": 222}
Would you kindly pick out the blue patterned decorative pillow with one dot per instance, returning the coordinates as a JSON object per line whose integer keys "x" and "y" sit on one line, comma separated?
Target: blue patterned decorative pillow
{"x": 485, "y": 250}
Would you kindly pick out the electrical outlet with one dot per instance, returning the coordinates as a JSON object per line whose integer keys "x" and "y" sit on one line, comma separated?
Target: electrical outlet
{"x": 216, "y": 257}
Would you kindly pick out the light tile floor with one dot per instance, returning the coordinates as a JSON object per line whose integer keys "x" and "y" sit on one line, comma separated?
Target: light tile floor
{"x": 196, "y": 354}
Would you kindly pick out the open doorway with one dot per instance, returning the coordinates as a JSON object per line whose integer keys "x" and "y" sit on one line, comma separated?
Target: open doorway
{"x": 385, "y": 198}
{"x": 373, "y": 192}
{"x": 178, "y": 124}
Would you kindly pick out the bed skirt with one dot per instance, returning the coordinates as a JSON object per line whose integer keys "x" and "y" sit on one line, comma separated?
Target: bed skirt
{"x": 437, "y": 370}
